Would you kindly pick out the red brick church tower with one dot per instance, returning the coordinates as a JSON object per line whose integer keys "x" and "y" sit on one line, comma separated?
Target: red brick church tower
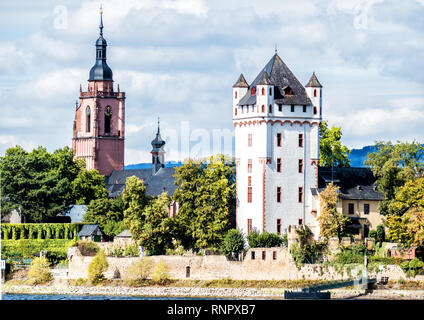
{"x": 99, "y": 125}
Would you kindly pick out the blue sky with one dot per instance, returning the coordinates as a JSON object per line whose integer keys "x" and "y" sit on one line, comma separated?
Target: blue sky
{"x": 179, "y": 59}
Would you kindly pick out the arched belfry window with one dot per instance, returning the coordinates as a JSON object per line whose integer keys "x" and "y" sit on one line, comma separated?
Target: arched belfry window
{"x": 88, "y": 119}
{"x": 108, "y": 116}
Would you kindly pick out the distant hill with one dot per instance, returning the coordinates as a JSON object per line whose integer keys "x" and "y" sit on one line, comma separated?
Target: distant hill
{"x": 168, "y": 164}
{"x": 357, "y": 157}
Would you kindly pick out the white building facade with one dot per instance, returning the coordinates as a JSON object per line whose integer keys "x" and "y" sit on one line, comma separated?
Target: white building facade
{"x": 276, "y": 123}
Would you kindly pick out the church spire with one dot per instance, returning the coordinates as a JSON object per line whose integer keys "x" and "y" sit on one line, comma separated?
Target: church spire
{"x": 100, "y": 70}
{"x": 158, "y": 153}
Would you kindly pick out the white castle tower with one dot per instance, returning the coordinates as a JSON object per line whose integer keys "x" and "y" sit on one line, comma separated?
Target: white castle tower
{"x": 277, "y": 149}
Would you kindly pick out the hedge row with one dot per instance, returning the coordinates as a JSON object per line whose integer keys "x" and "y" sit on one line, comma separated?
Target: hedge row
{"x": 17, "y": 231}
{"x": 28, "y": 248}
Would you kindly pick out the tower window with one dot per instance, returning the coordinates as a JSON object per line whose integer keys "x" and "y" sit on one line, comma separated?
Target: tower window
{"x": 263, "y": 108}
{"x": 235, "y": 95}
{"x": 252, "y": 254}
{"x": 108, "y": 116}
{"x": 315, "y": 110}
{"x": 292, "y": 108}
{"x": 278, "y": 194}
{"x": 270, "y": 91}
{"x": 300, "y": 165}
{"x": 249, "y": 181}
{"x": 301, "y": 140}
{"x": 88, "y": 119}
{"x": 278, "y": 164}
{"x": 300, "y": 194}
{"x": 263, "y": 255}
{"x": 252, "y": 91}
{"x": 249, "y": 165}
{"x": 249, "y": 140}
{"x": 249, "y": 194}
{"x": 280, "y": 108}
{"x": 315, "y": 92}
{"x": 304, "y": 108}
{"x": 278, "y": 139}
{"x": 279, "y": 226}
{"x": 107, "y": 124}
{"x": 350, "y": 208}
{"x": 263, "y": 91}
{"x": 270, "y": 108}
{"x": 249, "y": 229}
{"x": 235, "y": 111}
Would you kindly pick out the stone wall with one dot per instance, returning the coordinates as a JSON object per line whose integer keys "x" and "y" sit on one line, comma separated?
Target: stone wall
{"x": 267, "y": 264}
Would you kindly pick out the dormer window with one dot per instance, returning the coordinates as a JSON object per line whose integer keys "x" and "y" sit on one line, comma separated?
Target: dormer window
{"x": 315, "y": 92}
{"x": 288, "y": 91}
{"x": 253, "y": 91}
{"x": 263, "y": 91}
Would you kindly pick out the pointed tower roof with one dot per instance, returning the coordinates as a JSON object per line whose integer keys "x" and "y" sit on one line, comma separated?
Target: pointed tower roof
{"x": 313, "y": 82}
{"x": 281, "y": 76}
{"x": 100, "y": 70}
{"x": 265, "y": 80}
{"x": 241, "y": 82}
{"x": 157, "y": 142}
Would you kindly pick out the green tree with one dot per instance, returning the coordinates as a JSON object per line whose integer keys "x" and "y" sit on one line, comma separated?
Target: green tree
{"x": 205, "y": 192}
{"x": 88, "y": 185}
{"x": 406, "y": 221}
{"x": 97, "y": 267}
{"x": 31, "y": 182}
{"x": 331, "y": 222}
{"x": 332, "y": 152}
{"x": 135, "y": 200}
{"x": 108, "y": 214}
{"x": 156, "y": 232}
{"x": 393, "y": 166}
{"x": 233, "y": 242}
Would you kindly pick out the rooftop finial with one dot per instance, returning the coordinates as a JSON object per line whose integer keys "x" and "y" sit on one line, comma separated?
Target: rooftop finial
{"x": 275, "y": 48}
{"x": 101, "y": 20}
{"x": 158, "y": 124}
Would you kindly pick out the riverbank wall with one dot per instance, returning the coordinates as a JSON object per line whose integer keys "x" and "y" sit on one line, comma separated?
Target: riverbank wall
{"x": 258, "y": 264}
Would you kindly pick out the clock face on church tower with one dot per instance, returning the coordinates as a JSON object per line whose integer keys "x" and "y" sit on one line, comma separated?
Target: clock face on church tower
{"x": 108, "y": 111}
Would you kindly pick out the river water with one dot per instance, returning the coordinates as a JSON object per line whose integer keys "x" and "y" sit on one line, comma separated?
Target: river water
{"x": 95, "y": 297}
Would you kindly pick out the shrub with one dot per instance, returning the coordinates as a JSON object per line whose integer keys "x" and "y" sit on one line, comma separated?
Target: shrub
{"x": 96, "y": 268}
{"x": 28, "y": 248}
{"x": 139, "y": 271}
{"x": 264, "y": 240}
{"x": 161, "y": 275}
{"x": 413, "y": 267}
{"x": 88, "y": 248}
{"x": 253, "y": 239}
{"x": 233, "y": 242}
{"x": 39, "y": 272}
{"x": 56, "y": 257}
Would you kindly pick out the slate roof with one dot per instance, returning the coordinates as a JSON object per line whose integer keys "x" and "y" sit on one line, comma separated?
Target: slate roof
{"x": 124, "y": 234}
{"x": 76, "y": 212}
{"x": 162, "y": 181}
{"x": 313, "y": 82}
{"x": 265, "y": 80}
{"x": 89, "y": 230}
{"x": 241, "y": 82}
{"x": 354, "y": 183}
{"x": 281, "y": 76}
